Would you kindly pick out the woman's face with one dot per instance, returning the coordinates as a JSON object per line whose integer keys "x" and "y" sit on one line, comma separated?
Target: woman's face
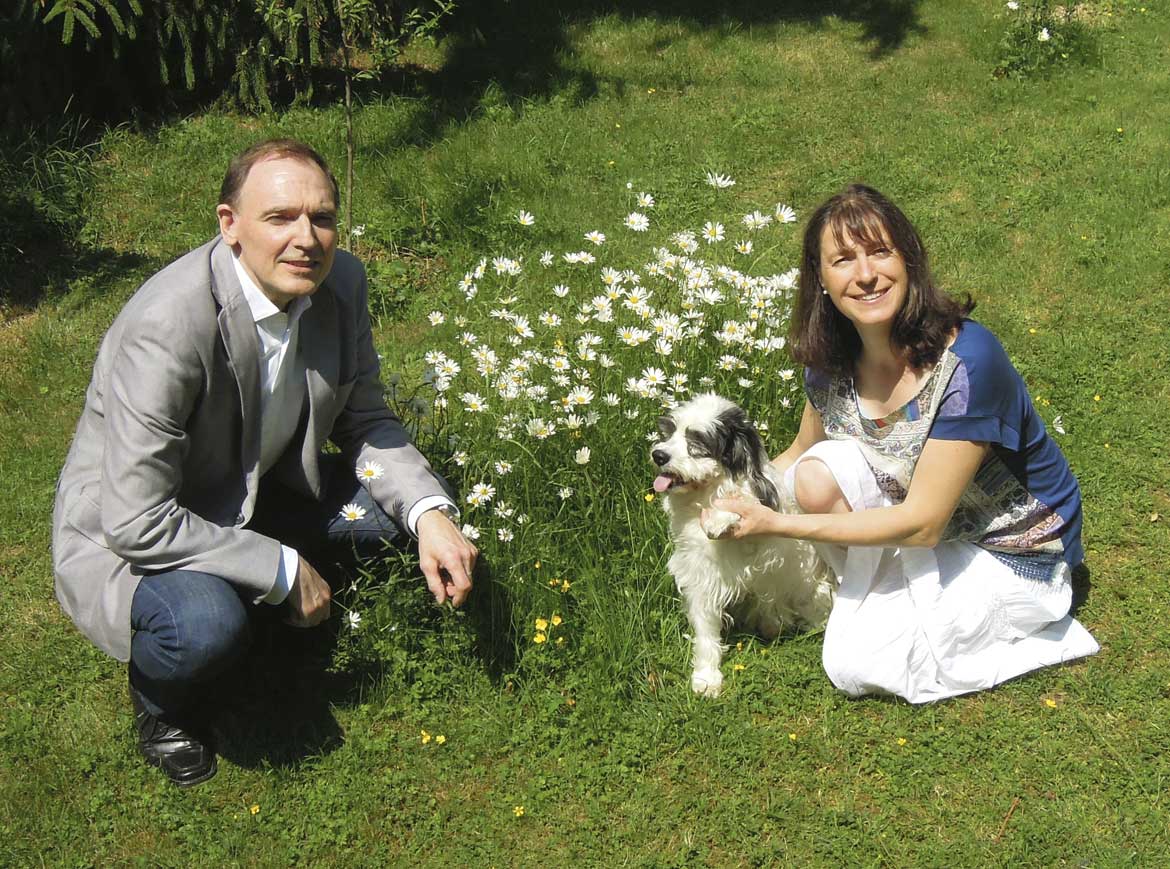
{"x": 867, "y": 282}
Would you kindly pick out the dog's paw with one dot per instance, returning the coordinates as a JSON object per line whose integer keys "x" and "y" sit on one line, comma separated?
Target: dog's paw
{"x": 707, "y": 682}
{"x": 718, "y": 522}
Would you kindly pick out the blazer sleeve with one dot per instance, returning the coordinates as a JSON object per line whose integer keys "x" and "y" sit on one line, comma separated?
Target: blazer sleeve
{"x": 367, "y": 430}
{"x": 155, "y": 381}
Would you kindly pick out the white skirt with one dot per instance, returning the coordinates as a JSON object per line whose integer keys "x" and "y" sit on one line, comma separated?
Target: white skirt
{"x": 925, "y": 624}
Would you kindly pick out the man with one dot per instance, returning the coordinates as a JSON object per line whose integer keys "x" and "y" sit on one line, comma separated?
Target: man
{"x": 196, "y": 476}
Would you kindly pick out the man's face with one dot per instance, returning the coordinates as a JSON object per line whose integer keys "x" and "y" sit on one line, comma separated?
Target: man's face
{"x": 283, "y": 227}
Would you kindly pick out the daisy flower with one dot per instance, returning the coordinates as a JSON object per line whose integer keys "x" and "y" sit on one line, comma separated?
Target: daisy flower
{"x": 525, "y": 218}
{"x": 470, "y": 532}
{"x": 744, "y": 247}
{"x": 506, "y": 266}
{"x": 579, "y": 396}
{"x": 369, "y": 471}
{"x": 437, "y": 318}
{"x": 611, "y": 399}
{"x": 756, "y": 220}
{"x": 596, "y": 236}
{"x": 581, "y": 457}
{"x": 539, "y": 428}
{"x": 353, "y": 619}
{"x": 784, "y": 213}
{"x": 546, "y": 258}
{"x": 719, "y": 182}
{"x": 480, "y": 494}
{"x": 655, "y": 377}
{"x": 637, "y": 222}
{"x": 565, "y": 493}
{"x": 1044, "y": 35}
{"x": 504, "y": 535}
{"x": 474, "y": 402}
{"x": 459, "y": 457}
{"x": 503, "y": 468}
{"x": 712, "y": 232}
{"x": 560, "y": 291}
{"x": 548, "y": 318}
{"x": 645, "y": 200}
{"x": 352, "y": 512}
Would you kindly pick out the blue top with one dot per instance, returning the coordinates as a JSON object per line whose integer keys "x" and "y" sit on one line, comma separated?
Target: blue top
{"x": 986, "y": 400}
{"x": 1023, "y": 504}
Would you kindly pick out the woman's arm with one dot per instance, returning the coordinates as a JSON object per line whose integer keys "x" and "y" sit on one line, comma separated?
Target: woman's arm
{"x": 811, "y": 431}
{"x": 943, "y": 472}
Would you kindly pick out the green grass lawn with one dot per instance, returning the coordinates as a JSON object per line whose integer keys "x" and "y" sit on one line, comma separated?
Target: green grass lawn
{"x": 1048, "y": 199}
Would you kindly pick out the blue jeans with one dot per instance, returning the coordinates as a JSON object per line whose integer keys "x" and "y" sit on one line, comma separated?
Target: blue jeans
{"x": 189, "y": 627}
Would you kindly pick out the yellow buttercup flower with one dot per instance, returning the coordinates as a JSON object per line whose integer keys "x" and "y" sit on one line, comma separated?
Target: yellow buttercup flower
{"x": 901, "y": 740}
{"x": 539, "y": 638}
{"x": 737, "y": 667}
{"x": 792, "y": 736}
{"x": 1050, "y": 703}
{"x": 255, "y": 809}
{"x": 518, "y": 811}
{"x": 440, "y": 739}
{"x": 649, "y": 496}
{"x": 542, "y": 624}
{"x": 566, "y": 585}
{"x": 556, "y": 620}
{"x": 426, "y": 737}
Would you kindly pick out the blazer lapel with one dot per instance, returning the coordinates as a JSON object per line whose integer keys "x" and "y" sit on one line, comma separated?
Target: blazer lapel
{"x": 243, "y": 349}
{"x": 318, "y": 342}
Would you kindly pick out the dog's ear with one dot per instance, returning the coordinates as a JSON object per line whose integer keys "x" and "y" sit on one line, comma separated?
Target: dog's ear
{"x": 744, "y": 455}
{"x": 666, "y": 426}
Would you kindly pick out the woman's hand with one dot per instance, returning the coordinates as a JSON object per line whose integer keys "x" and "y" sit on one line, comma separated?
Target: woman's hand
{"x": 755, "y": 518}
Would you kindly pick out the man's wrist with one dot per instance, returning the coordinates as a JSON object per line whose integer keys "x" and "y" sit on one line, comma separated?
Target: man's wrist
{"x": 425, "y": 505}
{"x": 447, "y": 510}
{"x": 286, "y": 576}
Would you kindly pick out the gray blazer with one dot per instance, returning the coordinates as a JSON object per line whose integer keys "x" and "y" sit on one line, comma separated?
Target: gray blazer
{"x": 163, "y": 470}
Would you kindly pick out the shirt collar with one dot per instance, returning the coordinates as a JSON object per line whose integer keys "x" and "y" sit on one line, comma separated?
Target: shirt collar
{"x": 260, "y": 305}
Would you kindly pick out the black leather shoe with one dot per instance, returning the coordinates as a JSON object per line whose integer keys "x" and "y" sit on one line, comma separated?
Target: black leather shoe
{"x": 186, "y": 759}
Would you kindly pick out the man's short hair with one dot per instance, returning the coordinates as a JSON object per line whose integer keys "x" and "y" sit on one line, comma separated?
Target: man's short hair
{"x": 270, "y": 149}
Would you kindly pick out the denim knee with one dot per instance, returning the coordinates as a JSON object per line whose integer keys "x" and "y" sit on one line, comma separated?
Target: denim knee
{"x": 189, "y": 626}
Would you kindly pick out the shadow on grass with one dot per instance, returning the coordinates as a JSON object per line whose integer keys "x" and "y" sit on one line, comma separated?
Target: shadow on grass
{"x": 41, "y": 260}
{"x": 276, "y": 708}
{"x": 1081, "y": 585}
{"x": 508, "y": 52}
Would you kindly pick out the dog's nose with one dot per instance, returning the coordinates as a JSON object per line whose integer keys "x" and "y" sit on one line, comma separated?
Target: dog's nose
{"x": 660, "y": 457}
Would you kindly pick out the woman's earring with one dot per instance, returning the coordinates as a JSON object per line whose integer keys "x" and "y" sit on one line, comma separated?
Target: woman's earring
{"x": 824, "y": 292}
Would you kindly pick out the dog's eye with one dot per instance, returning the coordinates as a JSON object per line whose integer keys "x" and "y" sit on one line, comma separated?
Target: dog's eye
{"x": 700, "y": 445}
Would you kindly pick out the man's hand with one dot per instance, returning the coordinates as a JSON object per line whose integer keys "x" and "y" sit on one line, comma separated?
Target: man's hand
{"x": 308, "y": 599}
{"x": 446, "y": 558}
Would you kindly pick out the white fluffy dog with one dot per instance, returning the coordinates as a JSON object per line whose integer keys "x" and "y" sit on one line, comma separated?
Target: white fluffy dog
{"x": 708, "y": 450}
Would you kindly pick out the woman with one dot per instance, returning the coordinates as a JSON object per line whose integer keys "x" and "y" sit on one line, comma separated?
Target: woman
{"x": 925, "y": 474}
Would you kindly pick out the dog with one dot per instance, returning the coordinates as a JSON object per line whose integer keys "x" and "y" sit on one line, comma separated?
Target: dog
{"x": 709, "y": 449}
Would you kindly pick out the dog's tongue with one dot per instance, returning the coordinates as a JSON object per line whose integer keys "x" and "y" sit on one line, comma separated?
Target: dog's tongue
{"x": 662, "y": 483}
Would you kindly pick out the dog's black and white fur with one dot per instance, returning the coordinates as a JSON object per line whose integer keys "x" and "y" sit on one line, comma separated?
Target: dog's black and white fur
{"x": 709, "y": 449}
